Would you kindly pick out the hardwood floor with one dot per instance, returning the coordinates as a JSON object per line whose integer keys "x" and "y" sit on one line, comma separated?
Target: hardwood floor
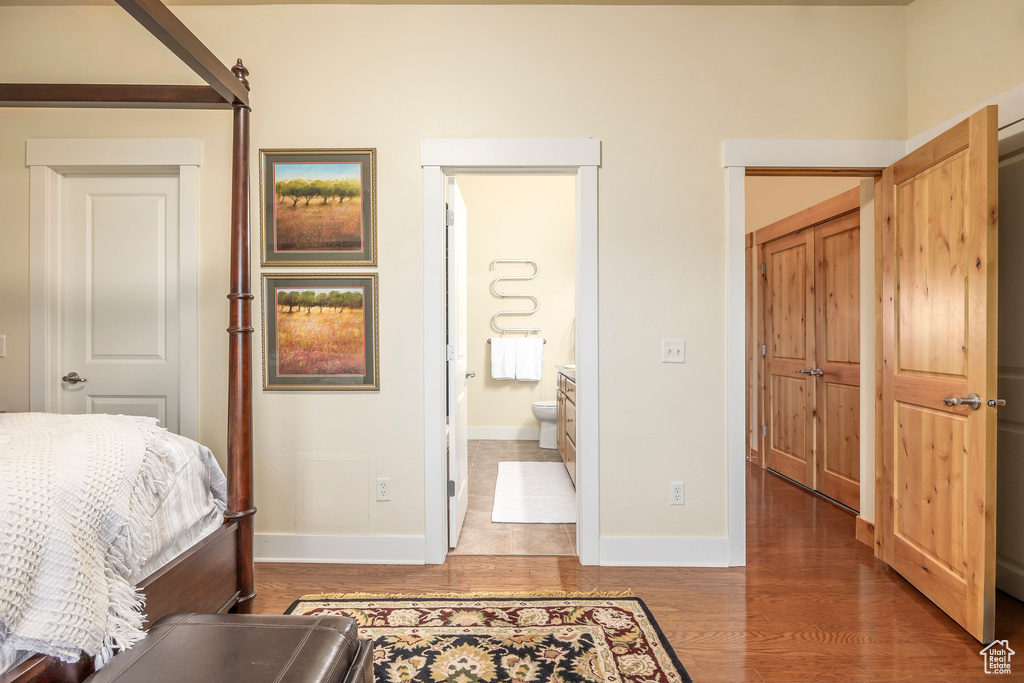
{"x": 812, "y": 604}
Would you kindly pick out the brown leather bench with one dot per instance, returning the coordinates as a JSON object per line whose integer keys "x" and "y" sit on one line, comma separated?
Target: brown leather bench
{"x": 250, "y": 648}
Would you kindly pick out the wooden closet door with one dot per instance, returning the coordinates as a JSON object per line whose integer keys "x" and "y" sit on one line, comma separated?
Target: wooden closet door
{"x": 937, "y": 509}
{"x": 789, "y": 331}
{"x": 837, "y": 324}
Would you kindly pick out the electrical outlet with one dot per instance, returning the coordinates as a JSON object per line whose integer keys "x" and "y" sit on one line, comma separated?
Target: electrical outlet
{"x": 673, "y": 351}
{"x": 675, "y": 490}
{"x": 383, "y": 489}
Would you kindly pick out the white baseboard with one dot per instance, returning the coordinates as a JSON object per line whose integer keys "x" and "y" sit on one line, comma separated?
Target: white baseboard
{"x": 505, "y": 433}
{"x": 668, "y": 551}
{"x": 615, "y": 551}
{"x": 1010, "y": 576}
{"x": 340, "y": 549}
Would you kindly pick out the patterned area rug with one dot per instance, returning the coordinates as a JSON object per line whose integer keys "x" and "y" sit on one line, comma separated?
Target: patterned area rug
{"x": 469, "y": 638}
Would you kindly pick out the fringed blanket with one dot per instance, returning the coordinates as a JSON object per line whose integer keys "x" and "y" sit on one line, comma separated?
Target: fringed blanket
{"x": 77, "y": 494}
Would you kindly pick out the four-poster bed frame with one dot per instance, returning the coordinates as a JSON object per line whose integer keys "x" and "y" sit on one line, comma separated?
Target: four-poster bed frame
{"x": 216, "y": 574}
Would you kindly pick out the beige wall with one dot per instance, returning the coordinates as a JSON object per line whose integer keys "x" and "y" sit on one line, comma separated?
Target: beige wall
{"x": 661, "y": 87}
{"x": 771, "y": 198}
{"x": 530, "y": 217}
{"x": 959, "y": 54}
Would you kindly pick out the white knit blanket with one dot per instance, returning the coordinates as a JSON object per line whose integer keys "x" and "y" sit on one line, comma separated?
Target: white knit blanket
{"x": 77, "y": 494}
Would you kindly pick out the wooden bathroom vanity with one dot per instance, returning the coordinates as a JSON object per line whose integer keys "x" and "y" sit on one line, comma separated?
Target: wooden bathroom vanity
{"x": 565, "y": 421}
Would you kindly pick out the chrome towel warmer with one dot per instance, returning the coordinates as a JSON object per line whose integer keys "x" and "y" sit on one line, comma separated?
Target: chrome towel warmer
{"x": 511, "y": 295}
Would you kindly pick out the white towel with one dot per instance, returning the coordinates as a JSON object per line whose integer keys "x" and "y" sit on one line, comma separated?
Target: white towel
{"x": 503, "y": 358}
{"x": 529, "y": 359}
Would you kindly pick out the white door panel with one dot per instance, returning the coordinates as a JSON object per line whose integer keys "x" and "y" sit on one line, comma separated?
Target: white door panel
{"x": 120, "y": 311}
{"x": 458, "y": 415}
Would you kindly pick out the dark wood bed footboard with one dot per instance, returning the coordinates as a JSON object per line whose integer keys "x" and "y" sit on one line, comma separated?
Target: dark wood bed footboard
{"x": 204, "y": 578}
{"x": 41, "y": 669}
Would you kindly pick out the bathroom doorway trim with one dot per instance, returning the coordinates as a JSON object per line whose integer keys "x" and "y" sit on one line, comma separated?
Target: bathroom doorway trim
{"x": 441, "y": 157}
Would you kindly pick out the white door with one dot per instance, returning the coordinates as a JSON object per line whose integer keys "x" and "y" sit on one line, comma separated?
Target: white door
{"x": 119, "y": 317}
{"x": 458, "y": 375}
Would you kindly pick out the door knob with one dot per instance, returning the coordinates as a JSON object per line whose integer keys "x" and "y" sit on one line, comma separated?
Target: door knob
{"x": 470, "y": 373}
{"x": 973, "y": 401}
{"x": 73, "y": 378}
{"x": 811, "y": 371}
{"x": 996, "y": 402}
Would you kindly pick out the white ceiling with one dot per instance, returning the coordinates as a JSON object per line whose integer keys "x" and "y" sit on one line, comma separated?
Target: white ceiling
{"x": 820, "y": 3}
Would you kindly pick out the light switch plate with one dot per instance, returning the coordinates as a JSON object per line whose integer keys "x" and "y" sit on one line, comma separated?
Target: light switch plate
{"x": 673, "y": 351}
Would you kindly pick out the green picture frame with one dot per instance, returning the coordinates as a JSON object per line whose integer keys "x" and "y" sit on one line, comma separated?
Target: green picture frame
{"x": 318, "y": 207}
{"x": 320, "y": 332}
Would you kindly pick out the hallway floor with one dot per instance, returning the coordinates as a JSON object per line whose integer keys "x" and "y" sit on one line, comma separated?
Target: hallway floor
{"x": 812, "y": 604}
{"x": 481, "y": 536}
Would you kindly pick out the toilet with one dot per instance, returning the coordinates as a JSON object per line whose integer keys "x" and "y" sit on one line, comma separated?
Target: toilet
{"x": 546, "y": 411}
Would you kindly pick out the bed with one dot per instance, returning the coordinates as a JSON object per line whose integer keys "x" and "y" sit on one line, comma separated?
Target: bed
{"x": 214, "y": 574}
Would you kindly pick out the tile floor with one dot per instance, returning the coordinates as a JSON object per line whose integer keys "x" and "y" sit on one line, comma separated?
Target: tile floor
{"x": 481, "y": 536}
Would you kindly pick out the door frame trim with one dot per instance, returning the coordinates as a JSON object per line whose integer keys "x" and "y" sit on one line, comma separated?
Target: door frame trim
{"x": 737, "y": 156}
{"x": 812, "y": 216}
{"x": 579, "y": 157}
{"x": 48, "y": 161}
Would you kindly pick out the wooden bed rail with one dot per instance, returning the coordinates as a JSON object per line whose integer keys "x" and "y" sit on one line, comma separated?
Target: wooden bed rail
{"x": 102, "y": 95}
{"x": 169, "y": 30}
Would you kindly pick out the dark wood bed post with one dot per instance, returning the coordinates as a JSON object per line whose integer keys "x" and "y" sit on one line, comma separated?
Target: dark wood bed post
{"x": 240, "y": 489}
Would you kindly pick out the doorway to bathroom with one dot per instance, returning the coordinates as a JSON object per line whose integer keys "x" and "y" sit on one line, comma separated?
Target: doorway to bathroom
{"x": 444, "y": 157}
{"x": 510, "y": 330}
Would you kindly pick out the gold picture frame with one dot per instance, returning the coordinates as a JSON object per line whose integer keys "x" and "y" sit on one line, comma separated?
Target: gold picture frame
{"x": 318, "y": 207}
{"x": 320, "y": 332}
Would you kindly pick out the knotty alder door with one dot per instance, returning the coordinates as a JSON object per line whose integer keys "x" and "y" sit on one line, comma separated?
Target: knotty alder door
{"x": 939, "y": 287}
{"x": 812, "y": 328}
{"x": 837, "y": 328}
{"x": 789, "y": 329}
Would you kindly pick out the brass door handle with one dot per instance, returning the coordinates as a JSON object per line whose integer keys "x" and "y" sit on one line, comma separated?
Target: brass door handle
{"x": 73, "y": 378}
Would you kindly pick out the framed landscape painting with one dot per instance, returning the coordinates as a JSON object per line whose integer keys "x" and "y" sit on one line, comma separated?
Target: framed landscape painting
{"x": 318, "y": 207}
{"x": 320, "y": 332}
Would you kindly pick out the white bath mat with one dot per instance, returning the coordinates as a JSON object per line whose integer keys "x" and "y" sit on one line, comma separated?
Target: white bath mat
{"x": 534, "y": 493}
